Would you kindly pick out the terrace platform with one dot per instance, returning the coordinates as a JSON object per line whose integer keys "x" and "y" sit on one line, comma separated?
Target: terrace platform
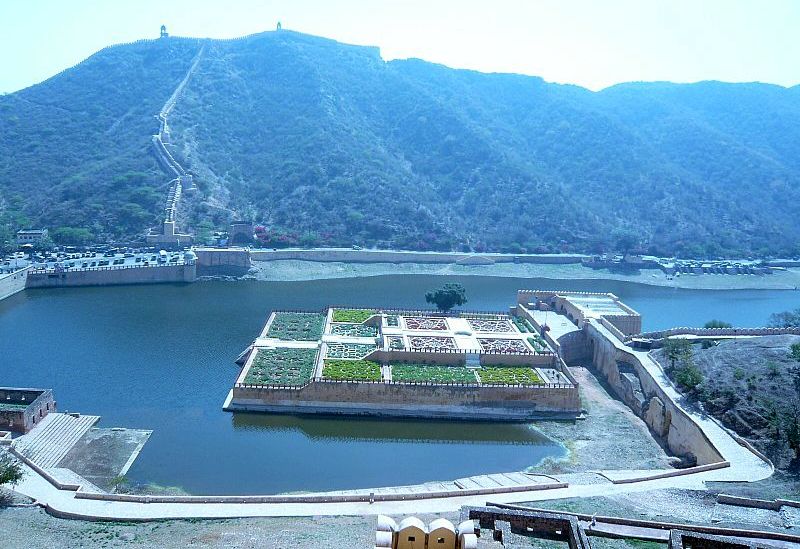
{"x": 478, "y": 365}
{"x": 71, "y": 449}
{"x": 51, "y": 440}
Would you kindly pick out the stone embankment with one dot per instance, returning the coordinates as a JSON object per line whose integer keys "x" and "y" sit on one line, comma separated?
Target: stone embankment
{"x": 113, "y": 275}
{"x": 13, "y": 282}
{"x": 498, "y": 403}
{"x": 398, "y": 256}
{"x": 222, "y": 261}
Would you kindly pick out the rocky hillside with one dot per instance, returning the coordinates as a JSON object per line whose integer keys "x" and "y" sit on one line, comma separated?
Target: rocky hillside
{"x": 327, "y": 144}
{"x": 749, "y": 385}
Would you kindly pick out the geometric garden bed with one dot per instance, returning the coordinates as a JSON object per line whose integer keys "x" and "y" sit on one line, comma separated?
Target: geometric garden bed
{"x": 282, "y": 366}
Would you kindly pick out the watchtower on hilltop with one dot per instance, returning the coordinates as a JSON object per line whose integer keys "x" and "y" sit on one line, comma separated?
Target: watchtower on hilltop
{"x": 164, "y": 33}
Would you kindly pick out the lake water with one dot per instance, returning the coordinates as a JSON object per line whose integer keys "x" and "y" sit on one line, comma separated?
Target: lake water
{"x": 161, "y": 358}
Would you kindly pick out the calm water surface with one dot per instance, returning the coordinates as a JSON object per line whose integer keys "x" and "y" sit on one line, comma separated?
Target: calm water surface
{"x": 161, "y": 358}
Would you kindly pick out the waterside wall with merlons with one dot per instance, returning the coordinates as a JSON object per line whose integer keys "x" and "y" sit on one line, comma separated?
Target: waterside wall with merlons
{"x": 503, "y": 403}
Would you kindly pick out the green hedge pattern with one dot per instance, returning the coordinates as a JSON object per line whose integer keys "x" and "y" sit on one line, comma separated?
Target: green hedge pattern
{"x": 297, "y": 326}
{"x": 432, "y": 374}
{"x": 351, "y": 370}
{"x": 281, "y": 366}
{"x": 509, "y": 375}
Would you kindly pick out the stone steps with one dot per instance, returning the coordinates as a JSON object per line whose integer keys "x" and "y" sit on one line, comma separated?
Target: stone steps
{"x": 48, "y": 443}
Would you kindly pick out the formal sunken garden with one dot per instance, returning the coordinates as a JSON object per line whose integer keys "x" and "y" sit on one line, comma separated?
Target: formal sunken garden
{"x": 493, "y": 345}
{"x": 507, "y": 375}
{"x": 396, "y": 343}
{"x": 432, "y": 343}
{"x": 281, "y": 366}
{"x": 490, "y": 326}
{"x": 297, "y": 326}
{"x": 427, "y": 373}
{"x": 348, "y": 350}
{"x": 351, "y": 370}
{"x": 349, "y": 329}
{"x": 425, "y": 323}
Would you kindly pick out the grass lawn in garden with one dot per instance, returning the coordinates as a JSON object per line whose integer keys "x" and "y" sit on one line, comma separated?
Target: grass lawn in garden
{"x": 509, "y": 375}
{"x": 281, "y": 366}
{"x": 351, "y": 370}
{"x": 297, "y": 326}
{"x": 356, "y": 316}
{"x": 427, "y": 373}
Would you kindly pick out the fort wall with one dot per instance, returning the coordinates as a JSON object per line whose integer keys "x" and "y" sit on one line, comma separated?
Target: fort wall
{"x": 655, "y": 339}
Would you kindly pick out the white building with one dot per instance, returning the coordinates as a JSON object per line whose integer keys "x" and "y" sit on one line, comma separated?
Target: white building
{"x": 31, "y": 236}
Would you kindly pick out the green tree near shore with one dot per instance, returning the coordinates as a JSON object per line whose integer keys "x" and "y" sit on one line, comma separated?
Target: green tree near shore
{"x": 448, "y": 296}
{"x": 785, "y": 319}
{"x": 682, "y": 368}
{"x": 10, "y": 469}
{"x": 717, "y": 324}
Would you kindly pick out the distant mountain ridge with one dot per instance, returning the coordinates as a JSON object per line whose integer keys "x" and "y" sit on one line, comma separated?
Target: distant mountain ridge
{"x": 326, "y": 144}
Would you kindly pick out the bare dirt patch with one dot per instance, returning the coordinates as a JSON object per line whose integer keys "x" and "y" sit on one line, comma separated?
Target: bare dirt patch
{"x": 611, "y": 436}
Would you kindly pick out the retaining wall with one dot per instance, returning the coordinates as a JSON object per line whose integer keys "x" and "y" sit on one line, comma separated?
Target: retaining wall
{"x": 111, "y": 276}
{"x": 680, "y": 433}
{"x": 222, "y": 261}
{"x": 411, "y": 400}
{"x": 13, "y": 283}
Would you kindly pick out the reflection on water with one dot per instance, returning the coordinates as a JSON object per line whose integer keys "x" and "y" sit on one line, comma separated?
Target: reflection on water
{"x": 394, "y": 430}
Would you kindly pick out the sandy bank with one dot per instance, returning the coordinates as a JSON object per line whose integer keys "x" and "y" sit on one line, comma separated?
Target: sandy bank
{"x": 311, "y": 270}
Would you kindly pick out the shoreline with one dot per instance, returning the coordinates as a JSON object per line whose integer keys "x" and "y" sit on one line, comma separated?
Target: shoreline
{"x": 286, "y": 270}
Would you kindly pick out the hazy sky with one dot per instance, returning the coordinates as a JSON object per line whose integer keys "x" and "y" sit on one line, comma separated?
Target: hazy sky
{"x": 590, "y": 43}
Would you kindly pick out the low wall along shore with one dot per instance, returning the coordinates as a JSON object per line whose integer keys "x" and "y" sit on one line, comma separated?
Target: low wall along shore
{"x": 410, "y": 400}
{"x": 111, "y": 276}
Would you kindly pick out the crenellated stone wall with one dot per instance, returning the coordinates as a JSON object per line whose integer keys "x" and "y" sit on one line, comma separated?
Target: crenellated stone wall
{"x": 514, "y": 403}
{"x": 679, "y": 432}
